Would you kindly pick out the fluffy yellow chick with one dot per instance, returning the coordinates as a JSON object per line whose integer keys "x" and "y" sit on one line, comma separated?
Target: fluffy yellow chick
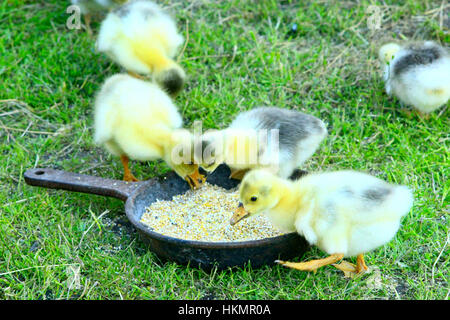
{"x": 344, "y": 213}
{"x": 143, "y": 39}
{"x": 136, "y": 119}
{"x": 90, "y": 7}
{"x": 417, "y": 73}
{"x": 277, "y": 139}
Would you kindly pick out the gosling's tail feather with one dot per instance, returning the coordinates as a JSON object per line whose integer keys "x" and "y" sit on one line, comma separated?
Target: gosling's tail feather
{"x": 401, "y": 200}
{"x": 171, "y": 78}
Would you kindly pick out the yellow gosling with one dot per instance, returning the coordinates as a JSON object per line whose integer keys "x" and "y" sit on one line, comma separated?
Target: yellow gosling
{"x": 344, "y": 213}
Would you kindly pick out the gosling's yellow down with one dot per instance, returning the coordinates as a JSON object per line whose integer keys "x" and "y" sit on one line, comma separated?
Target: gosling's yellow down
{"x": 143, "y": 39}
{"x": 136, "y": 119}
{"x": 344, "y": 213}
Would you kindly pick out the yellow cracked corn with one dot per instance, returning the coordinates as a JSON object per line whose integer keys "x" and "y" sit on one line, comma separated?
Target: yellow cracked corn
{"x": 204, "y": 215}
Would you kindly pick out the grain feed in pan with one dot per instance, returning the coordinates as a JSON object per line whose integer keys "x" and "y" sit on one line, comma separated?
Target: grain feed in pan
{"x": 204, "y": 215}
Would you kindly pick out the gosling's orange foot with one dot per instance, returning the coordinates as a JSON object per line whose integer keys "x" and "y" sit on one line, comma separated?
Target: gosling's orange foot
{"x": 127, "y": 175}
{"x": 302, "y": 266}
{"x": 424, "y": 116}
{"x": 130, "y": 177}
{"x": 349, "y": 269}
{"x": 87, "y": 23}
{"x": 311, "y": 265}
{"x": 136, "y": 75}
{"x": 361, "y": 264}
{"x": 416, "y": 113}
{"x": 238, "y": 174}
{"x": 408, "y": 113}
{"x": 195, "y": 180}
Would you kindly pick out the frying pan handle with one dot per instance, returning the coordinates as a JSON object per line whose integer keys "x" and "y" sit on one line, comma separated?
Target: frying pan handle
{"x": 58, "y": 179}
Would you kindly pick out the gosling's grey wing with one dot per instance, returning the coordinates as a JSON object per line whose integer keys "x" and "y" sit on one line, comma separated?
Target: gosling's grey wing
{"x": 293, "y": 126}
{"x": 123, "y": 10}
{"x": 418, "y": 55}
{"x": 147, "y": 9}
{"x": 359, "y": 190}
{"x": 92, "y": 6}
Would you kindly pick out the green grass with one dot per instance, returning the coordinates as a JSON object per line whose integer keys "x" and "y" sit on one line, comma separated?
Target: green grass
{"x": 239, "y": 56}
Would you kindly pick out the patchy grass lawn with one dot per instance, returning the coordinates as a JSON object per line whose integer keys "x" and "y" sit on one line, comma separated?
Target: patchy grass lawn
{"x": 239, "y": 55}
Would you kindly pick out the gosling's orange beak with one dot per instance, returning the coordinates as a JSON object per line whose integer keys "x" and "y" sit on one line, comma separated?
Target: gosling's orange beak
{"x": 196, "y": 179}
{"x": 239, "y": 214}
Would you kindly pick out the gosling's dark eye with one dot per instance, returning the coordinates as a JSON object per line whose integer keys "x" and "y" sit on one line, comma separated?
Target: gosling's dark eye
{"x": 253, "y": 198}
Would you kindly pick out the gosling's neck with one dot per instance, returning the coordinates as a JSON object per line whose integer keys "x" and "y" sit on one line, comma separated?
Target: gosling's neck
{"x": 283, "y": 213}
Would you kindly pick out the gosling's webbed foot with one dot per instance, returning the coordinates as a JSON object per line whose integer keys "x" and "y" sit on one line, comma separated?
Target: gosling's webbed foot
{"x": 351, "y": 270}
{"x": 87, "y": 23}
{"x": 416, "y": 113}
{"x": 361, "y": 264}
{"x": 424, "y": 116}
{"x": 302, "y": 266}
{"x": 130, "y": 177}
{"x": 127, "y": 175}
{"x": 311, "y": 265}
{"x": 136, "y": 75}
